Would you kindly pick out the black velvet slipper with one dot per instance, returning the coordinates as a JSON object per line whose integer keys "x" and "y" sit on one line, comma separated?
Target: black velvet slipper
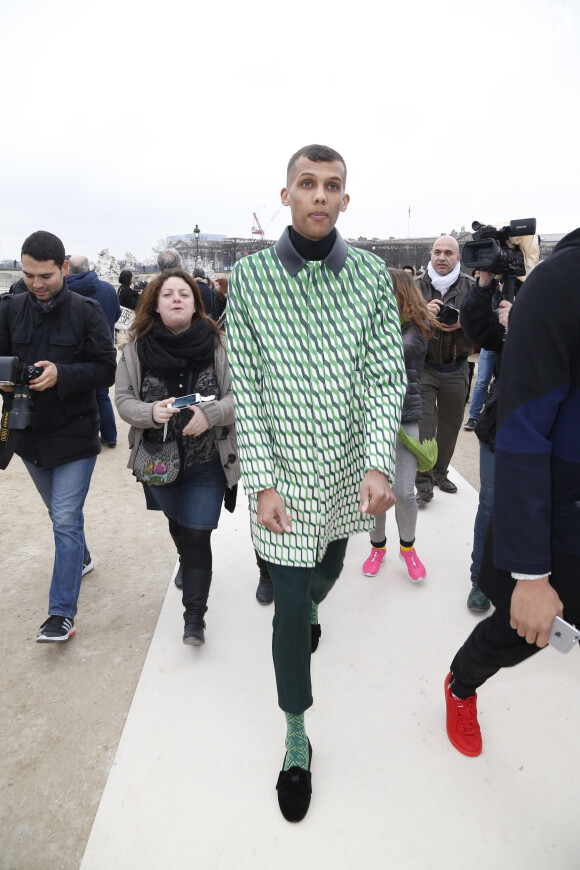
{"x": 294, "y": 789}
{"x": 315, "y": 632}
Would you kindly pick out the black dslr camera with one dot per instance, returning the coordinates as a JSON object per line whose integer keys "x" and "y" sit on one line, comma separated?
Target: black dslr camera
{"x": 489, "y": 250}
{"x": 14, "y": 372}
{"x": 448, "y": 314}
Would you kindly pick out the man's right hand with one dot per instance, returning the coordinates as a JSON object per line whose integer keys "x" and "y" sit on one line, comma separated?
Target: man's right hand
{"x": 272, "y": 512}
{"x": 433, "y": 307}
{"x": 161, "y": 413}
{"x": 486, "y": 278}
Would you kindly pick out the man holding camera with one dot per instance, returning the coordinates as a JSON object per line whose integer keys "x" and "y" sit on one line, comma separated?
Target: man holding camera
{"x": 53, "y": 416}
{"x": 445, "y": 374}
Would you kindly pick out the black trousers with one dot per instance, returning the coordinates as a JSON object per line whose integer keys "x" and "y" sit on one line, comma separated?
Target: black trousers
{"x": 494, "y": 644}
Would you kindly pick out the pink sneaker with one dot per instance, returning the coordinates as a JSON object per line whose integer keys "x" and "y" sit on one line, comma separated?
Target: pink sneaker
{"x": 415, "y": 567}
{"x": 372, "y": 566}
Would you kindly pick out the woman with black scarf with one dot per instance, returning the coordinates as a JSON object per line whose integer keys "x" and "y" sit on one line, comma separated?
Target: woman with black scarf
{"x": 174, "y": 349}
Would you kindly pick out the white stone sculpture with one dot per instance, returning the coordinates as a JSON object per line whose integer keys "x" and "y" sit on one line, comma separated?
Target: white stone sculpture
{"x": 106, "y": 266}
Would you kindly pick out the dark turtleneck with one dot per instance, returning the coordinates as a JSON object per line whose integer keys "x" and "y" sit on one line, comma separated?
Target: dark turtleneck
{"x": 313, "y": 250}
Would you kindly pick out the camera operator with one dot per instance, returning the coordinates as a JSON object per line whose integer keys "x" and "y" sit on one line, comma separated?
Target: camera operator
{"x": 445, "y": 374}
{"x": 67, "y": 338}
{"x": 485, "y": 322}
{"x": 531, "y": 558}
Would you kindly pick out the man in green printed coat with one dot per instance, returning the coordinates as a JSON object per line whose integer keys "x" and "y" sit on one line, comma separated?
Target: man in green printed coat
{"x": 319, "y": 380}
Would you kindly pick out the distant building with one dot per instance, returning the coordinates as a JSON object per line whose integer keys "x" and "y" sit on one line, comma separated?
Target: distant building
{"x": 417, "y": 251}
{"x": 220, "y": 253}
{"x": 190, "y": 237}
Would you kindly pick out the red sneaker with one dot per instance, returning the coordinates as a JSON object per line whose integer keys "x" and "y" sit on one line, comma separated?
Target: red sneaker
{"x": 462, "y": 725}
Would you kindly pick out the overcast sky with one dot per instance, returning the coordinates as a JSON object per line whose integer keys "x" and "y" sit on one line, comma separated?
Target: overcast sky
{"x": 125, "y": 121}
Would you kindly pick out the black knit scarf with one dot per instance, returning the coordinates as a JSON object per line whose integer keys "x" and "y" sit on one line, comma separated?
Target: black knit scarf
{"x": 163, "y": 352}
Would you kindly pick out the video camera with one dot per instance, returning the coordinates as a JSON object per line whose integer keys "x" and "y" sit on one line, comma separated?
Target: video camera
{"x": 489, "y": 250}
{"x": 14, "y": 372}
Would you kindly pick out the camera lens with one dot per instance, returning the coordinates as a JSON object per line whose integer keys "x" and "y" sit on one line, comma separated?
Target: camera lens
{"x": 448, "y": 315}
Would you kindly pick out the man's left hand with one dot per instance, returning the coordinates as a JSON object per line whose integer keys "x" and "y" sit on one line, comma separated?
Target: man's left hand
{"x": 376, "y": 495}
{"x": 535, "y": 604}
{"x": 503, "y": 312}
{"x": 47, "y": 379}
{"x": 444, "y": 328}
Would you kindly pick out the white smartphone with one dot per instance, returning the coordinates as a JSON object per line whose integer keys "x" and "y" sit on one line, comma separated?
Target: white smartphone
{"x": 192, "y": 399}
{"x": 563, "y": 636}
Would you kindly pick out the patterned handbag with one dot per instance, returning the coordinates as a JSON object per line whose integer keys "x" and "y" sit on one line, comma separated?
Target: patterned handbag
{"x": 158, "y": 463}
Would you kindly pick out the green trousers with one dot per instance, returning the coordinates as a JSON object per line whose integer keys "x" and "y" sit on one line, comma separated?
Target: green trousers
{"x": 294, "y": 590}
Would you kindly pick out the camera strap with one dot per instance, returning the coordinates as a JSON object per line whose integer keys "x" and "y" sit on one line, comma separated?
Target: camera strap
{"x": 6, "y": 444}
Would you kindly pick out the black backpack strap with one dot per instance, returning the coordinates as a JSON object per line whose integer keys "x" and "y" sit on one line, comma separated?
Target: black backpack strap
{"x": 76, "y": 312}
{"x": 15, "y": 309}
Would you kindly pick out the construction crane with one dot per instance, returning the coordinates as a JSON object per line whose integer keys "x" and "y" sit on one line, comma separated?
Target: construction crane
{"x": 257, "y": 228}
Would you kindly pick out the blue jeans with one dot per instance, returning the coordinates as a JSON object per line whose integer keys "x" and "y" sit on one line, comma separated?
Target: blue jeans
{"x": 107, "y": 426}
{"x": 196, "y": 501}
{"x": 63, "y": 490}
{"x": 484, "y": 372}
{"x": 486, "y": 470}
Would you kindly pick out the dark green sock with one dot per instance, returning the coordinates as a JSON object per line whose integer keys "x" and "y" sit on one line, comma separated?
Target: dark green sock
{"x": 314, "y": 614}
{"x": 296, "y": 742}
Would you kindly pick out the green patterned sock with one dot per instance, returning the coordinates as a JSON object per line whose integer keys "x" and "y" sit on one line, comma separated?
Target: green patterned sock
{"x": 296, "y": 742}
{"x": 314, "y": 613}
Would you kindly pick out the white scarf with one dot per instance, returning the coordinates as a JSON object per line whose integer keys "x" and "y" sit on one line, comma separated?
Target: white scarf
{"x": 442, "y": 283}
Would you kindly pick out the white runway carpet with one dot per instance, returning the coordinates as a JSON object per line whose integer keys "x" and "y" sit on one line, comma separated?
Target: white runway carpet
{"x": 193, "y": 782}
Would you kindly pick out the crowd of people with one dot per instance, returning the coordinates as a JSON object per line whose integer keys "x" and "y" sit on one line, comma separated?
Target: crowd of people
{"x": 340, "y": 394}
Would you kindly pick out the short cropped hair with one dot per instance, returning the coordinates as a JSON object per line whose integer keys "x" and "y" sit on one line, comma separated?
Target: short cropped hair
{"x": 169, "y": 259}
{"x": 318, "y": 154}
{"x": 125, "y": 278}
{"x": 42, "y": 245}
{"x": 198, "y": 272}
{"x": 410, "y": 269}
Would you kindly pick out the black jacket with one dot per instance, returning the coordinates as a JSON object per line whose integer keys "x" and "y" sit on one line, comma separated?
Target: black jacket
{"x": 481, "y": 325}
{"x": 128, "y": 297}
{"x": 536, "y": 511}
{"x": 414, "y": 347}
{"x": 209, "y": 298}
{"x": 66, "y": 416}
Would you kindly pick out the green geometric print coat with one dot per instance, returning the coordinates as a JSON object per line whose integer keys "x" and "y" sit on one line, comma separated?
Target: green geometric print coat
{"x": 319, "y": 381}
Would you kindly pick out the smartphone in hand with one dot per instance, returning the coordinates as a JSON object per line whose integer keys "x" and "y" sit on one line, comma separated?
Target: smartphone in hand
{"x": 563, "y": 636}
{"x": 192, "y": 399}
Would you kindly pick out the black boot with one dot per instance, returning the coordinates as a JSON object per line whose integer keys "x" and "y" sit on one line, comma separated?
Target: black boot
{"x": 265, "y": 590}
{"x": 175, "y": 533}
{"x": 194, "y": 633}
{"x": 196, "y": 583}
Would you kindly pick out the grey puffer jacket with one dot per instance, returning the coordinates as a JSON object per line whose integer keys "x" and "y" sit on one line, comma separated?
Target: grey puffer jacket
{"x": 220, "y": 414}
{"x": 414, "y": 349}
